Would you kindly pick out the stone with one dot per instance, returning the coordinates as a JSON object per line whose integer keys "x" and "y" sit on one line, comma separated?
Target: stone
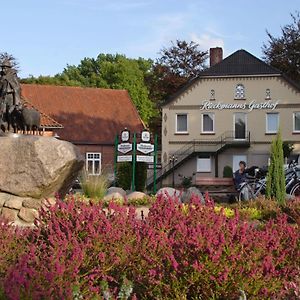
{"x": 113, "y": 196}
{"x": 168, "y": 191}
{"x": 2, "y": 201}
{"x": 9, "y": 214}
{"x": 28, "y": 214}
{"x": 15, "y": 202}
{"x": 192, "y": 192}
{"x": 136, "y": 196}
{"x": 113, "y": 189}
{"x": 37, "y": 166}
{"x": 32, "y": 203}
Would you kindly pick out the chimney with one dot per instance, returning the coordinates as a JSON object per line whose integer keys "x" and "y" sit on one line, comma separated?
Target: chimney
{"x": 215, "y": 55}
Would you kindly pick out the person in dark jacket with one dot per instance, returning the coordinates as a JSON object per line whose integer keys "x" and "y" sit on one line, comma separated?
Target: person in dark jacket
{"x": 241, "y": 174}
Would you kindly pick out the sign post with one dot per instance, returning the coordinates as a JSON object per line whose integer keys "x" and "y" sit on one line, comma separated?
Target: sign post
{"x": 116, "y": 159}
{"x": 155, "y": 164}
{"x": 133, "y": 163}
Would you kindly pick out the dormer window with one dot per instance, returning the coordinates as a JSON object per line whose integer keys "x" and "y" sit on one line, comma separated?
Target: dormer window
{"x": 212, "y": 95}
{"x": 239, "y": 92}
{"x": 268, "y": 94}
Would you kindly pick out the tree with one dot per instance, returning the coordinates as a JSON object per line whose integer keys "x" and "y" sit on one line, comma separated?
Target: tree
{"x": 109, "y": 71}
{"x": 10, "y": 58}
{"x": 283, "y": 52}
{"x": 176, "y": 65}
{"x": 276, "y": 179}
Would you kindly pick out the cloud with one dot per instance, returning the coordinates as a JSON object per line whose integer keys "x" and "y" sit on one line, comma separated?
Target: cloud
{"x": 207, "y": 41}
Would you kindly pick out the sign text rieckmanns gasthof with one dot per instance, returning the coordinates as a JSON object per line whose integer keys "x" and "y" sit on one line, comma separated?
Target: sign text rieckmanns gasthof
{"x": 253, "y": 105}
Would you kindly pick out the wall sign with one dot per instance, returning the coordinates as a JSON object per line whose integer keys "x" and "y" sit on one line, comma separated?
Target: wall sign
{"x": 253, "y": 105}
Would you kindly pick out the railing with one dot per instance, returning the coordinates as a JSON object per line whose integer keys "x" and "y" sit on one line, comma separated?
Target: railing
{"x": 197, "y": 146}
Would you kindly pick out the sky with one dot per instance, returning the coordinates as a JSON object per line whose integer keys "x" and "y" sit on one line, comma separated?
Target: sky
{"x": 46, "y": 35}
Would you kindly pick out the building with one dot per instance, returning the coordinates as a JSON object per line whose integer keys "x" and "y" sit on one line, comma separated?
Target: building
{"x": 231, "y": 112}
{"x": 89, "y": 118}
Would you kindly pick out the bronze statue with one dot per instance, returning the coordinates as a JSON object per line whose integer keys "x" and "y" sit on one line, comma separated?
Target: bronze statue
{"x": 13, "y": 117}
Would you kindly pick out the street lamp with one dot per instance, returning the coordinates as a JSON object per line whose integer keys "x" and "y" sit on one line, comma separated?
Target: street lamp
{"x": 173, "y": 160}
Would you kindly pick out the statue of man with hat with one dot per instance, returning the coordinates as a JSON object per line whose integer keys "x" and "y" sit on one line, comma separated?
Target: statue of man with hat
{"x": 10, "y": 90}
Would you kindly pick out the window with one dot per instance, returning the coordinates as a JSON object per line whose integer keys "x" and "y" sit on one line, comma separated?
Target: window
{"x": 296, "y": 122}
{"x": 239, "y": 92}
{"x": 272, "y": 122}
{"x": 212, "y": 95}
{"x": 208, "y": 123}
{"x": 204, "y": 164}
{"x": 181, "y": 123}
{"x": 93, "y": 163}
{"x": 268, "y": 94}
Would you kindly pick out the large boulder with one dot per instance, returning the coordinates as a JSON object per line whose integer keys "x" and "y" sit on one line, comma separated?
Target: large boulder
{"x": 113, "y": 190}
{"x": 190, "y": 193}
{"x": 34, "y": 168}
{"x": 37, "y": 167}
{"x": 136, "y": 196}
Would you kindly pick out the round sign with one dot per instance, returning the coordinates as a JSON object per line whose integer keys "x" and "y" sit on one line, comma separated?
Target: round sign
{"x": 125, "y": 135}
{"x": 146, "y": 136}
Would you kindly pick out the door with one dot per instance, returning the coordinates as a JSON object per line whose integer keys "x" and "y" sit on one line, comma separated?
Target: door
{"x": 236, "y": 160}
{"x": 240, "y": 126}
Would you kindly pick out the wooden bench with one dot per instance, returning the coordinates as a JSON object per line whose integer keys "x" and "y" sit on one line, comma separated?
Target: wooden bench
{"x": 217, "y": 187}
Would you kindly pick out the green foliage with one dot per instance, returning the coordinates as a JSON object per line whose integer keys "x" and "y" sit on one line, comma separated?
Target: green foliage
{"x": 186, "y": 181}
{"x": 227, "y": 172}
{"x": 140, "y": 176}
{"x": 283, "y": 52}
{"x": 287, "y": 148}
{"x": 109, "y": 71}
{"x": 276, "y": 179}
{"x": 124, "y": 174}
{"x": 94, "y": 186}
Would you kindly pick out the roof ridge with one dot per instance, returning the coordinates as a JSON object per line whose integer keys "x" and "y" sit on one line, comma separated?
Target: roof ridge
{"x": 72, "y": 86}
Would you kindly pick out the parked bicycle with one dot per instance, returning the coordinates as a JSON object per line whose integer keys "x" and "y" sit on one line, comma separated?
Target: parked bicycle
{"x": 254, "y": 186}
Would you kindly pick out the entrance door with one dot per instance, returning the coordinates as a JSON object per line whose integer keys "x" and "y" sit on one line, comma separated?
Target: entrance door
{"x": 236, "y": 160}
{"x": 240, "y": 126}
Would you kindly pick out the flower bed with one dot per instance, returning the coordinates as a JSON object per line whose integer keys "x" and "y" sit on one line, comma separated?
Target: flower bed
{"x": 78, "y": 251}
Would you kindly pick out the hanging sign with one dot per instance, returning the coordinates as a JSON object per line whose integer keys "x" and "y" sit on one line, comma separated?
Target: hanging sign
{"x": 145, "y": 136}
{"x": 124, "y": 158}
{"x": 145, "y": 148}
{"x": 145, "y": 158}
{"x": 125, "y": 148}
{"x": 125, "y": 135}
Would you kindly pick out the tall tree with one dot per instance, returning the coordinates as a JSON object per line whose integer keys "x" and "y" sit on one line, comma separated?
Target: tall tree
{"x": 283, "y": 52}
{"x": 10, "y": 58}
{"x": 176, "y": 65}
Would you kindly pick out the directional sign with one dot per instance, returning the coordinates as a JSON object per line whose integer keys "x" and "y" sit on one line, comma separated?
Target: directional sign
{"x": 124, "y": 158}
{"x": 125, "y": 148}
{"x": 145, "y": 148}
{"x": 145, "y": 158}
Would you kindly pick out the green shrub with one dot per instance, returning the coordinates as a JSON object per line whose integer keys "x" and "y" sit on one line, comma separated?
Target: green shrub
{"x": 227, "y": 172}
{"x": 140, "y": 176}
{"x": 124, "y": 174}
{"x": 276, "y": 178}
{"x": 94, "y": 186}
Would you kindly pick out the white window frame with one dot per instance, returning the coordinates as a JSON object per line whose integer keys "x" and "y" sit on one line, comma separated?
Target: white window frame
{"x": 202, "y": 123}
{"x": 294, "y": 123}
{"x": 187, "y": 123}
{"x": 87, "y": 159}
{"x": 278, "y": 119}
{"x": 235, "y": 92}
{"x": 204, "y": 170}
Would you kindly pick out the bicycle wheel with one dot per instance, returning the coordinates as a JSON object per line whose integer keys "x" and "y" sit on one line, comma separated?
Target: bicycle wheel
{"x": 246, "y": 193}
{"x": 295, "y": 191}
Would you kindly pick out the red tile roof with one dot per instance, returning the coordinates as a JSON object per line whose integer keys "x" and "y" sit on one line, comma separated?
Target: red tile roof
{"x": 88, "y": 115}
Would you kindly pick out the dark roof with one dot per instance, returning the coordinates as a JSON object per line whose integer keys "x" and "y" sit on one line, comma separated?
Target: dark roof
{"x": 239, "y": 63}
{"x": 242, "y": 63}
{"x": 88, "y": 115}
